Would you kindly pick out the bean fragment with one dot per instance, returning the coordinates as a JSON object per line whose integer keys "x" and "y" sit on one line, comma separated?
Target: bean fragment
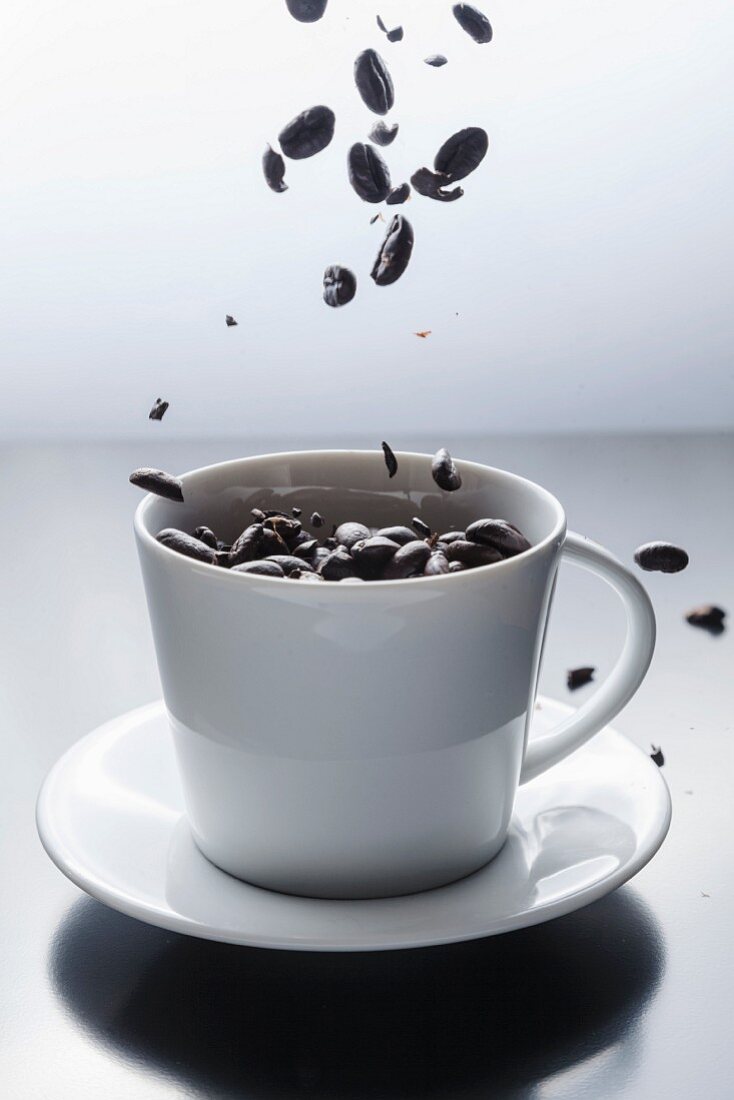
{"x": 499, "y": 534}
{"x": 408, "y": 561}
{"x": 159, "y": 409}
{"x": 436, "y": 60}
{"x": 432, "y": 186}
{"x": 307, "y": 133}
{"x": 158, "y": 482}
{"x": 260, "y": 568}
{"x": 348, "y": 533}
{"x": 657, "y": 756}
{"x": 382, "y": 134}
{"x": 420, "y": 527}
{"x": 207, "y": 536}
{"x": 708, "y": 617}
{"x": 577, "y": 677}
{"x": 368, "y": 173}
{"x": 230, "y": 321}
{"x": 395, "y": 252}
{"x": 661, "y": 557}
{"x": 274, "y": 170}
{"x": 400, "y": 535}
{"x": 317, "y": 520}
{"x": 185, "y": 544}
{"x": 398, "y": 195}
{"x": 444, "y": 471}
{"x": 395, "y": 35}
{"x": 374, "y": 82}
{"x": 306, "y": 11}
{"x": 390, "y": 460}
{"x": 462, "y": 153}
{"x": 474, "y": 22}
{"x": 340, "y": 285}
{"x": 296, "y": 512}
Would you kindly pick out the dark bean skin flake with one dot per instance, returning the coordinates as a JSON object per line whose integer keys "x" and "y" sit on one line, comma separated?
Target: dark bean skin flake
{"x": 158, "y": 482}
{"x": 186, "y": 544}
{"x": 657, "y": 755}
{"x": 230, "y": 321}
{"x": 444, "y": 471}
{"x": 474, "y": 22}
{"x": 661, "y": 557}
{"x": 340, "y": 285}
{"x": 436, "y": 60}
{"x": 398, "y": 195}
{"x": 390, "y": 460}
{"x": 432, "y": 186}
{"x": 382, "y": 134}
{"x": 307, "y": 133}
{"x": 577, "y": 677}
{"x": 159, "y": 409}
{"x": 317, "y": 520}
{"x": 395, "y": 35}
{"x": 374, "y": 82}
{"x": 274, "y": 170}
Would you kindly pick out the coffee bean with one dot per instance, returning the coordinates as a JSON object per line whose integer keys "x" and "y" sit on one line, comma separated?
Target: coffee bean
{"x": 158, "y": 482}
{"x": 274, "y": 170}
{"x": 306, "y": 11}
{"x": 374, "y": 552}
{"x": 661, "y": 557}
{"x": 248, "y": 546}
{"x": 306, "y": 548}
{"x": 374, "y": 82}
{"x": 207, "y": 536}
{"x": 317, "y": 520}
{"x": 368, "y": 173}
{"x": 457, "y": 567}
{"x": 444, "y": 471}
{"x": 472, "y": 554}
{"x": 474, "y": 22}
{"x": 339, "y": 564}
{"x": 258, "y": 514}
{"x": 657, "y": 755}
{"x": 269, "y": 513}
{"x": 348, "y": 533}
{"x": 395, "y": 252}
{"x": 272, "y": 543}
{"x": 287, "y": 527}
{"x": 431, "y": 185}
{"x": 437, "y": 564}
{"x": 260, "y": 568}
{"x": 319, "y": 556}
{"x": 185, "y": 544}
{"x": 288, "y": 563}
{"x": 307, "y": 133}
{"x": 340, "y": 285}
{"x": 398, "y": 195}
{"x": 400, "y": 535}
{"x": 462, "y": 153}
{"x": 390, "y": 460}
{"x": 422, "y": 528}
{"x": 296, "y": 512}
{"x": 230, "y": 321}
{"x": 499, "y": 534}
{"x": 708, "y": 617}
{"x": 331, "y": 543}
{"x": 452, "y": 536}
{"x": 159, "y": 409}
{"x": 436, "y": 60}
{"x": 408, "y": 561}
{"x": 382, "y": 134}
{"x": 577, "y": 677}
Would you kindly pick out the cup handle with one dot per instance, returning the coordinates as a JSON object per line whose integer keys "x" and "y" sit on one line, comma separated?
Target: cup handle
{"x": 625, "y": 677}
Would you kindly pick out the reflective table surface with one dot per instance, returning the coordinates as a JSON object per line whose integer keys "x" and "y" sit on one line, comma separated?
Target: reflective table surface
{"x": 630, "y": 997}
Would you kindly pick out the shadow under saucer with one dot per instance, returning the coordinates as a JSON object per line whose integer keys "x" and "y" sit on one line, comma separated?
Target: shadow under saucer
{"x": 492, "y": 1017}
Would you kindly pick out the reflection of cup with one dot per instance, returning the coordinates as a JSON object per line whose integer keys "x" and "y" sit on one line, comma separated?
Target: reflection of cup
{"x": 344, "y": 740}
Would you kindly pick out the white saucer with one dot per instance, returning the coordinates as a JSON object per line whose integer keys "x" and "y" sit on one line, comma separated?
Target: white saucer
{"x": 110, "y": 816}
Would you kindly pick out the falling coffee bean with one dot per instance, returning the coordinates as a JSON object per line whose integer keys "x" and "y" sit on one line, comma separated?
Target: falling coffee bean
{"x": 661, "y": 557}
{"x": 422, "y": 528}
{"x": 436, "y": 60}
{"x": 159, "y": 409}
{"x": 317, "y": 520}
{"x": 431, "y": 185}
{"x": 499, "y": 534}
{"x": 395, "y": 252}
{"x": 462, "y": 153}
{"x": 274, "y": 170}
{"x": 708, "y": 617}
{"x": 390, "y": 460}
{"x": 248, "y": 545}
{"x": 207, "y": 536}
{"x": 347, "y": 534}
{"x": 437, "y": 564}
{"x": 400, "y": 535}
{"x": 340, "y": 285}
{"x": 158, "y": 482}
{"x": 306, "y": 11}
{"x": 395, "y": 35}
{"x": 657, "y": 755}
{"x": 382, "y": 134}
{"x": 308, "y": 133}
{"x": 398, "y": 195}
{"x": 374, "y": 82}
{"x": 408, "y": 561}
{"x": 185, "y": 544}
{"x": 338, "y": 565}
{"x": 577, "y": 677}
{"x": 230, "y": 321}
{"x": 260, "y": 568}
{"x": 474, "y": 22}
{"x": 368, "y": 173}
{"x": 444, "y": 471}
{"x": 472, "y": 554}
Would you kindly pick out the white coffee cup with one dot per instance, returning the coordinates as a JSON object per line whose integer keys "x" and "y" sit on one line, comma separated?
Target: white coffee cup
{"x": 364, "y": 740}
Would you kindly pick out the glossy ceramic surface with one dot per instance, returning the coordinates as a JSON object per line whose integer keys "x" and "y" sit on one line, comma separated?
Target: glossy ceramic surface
{"x": 111, "y": 816}
{"x": 353, "y": 741}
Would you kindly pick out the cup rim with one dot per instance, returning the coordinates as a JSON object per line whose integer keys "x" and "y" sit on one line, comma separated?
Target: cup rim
{"x": 557, "y": 533}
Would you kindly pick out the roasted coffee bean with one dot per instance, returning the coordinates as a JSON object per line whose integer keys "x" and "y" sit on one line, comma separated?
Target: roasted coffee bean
{"x": 347, "y": 534}
{"x": 431, "y": 185}
{"x": 248, "y": 546}
{"x": 395, "y": 252}
{"x": 308, "y": 133}
{"x": 296, "y": 512}
{"x": 272, "y": 543}
{"x": 408, "y": 561}
{"x": 657, "y": 755}
{"x": 444, "y": 471}
{"x": 258, "y": 515}
{"x": 436, "y": 60}
{"x": 400, "y": 535}
{"x": 452, "y": 536}
{"x": 269, "y": 513}
{"x": 462, "y": 153}
{"x": 422, "y": 528}
{"x": 306, "y": 11}
{"x": 368, "y": 173}
{"x": 340, "y": 285}
{"x": 274, "y": 170}
{"x": 661, "y": 557}
{"x": 221, "y": 557}
{"x": 472, "y": 554}
{"x": 374, "y": 82}
{"x": 708, "y": 617}
{"x": 286, "y": 526}
{"x": 260, "y": 568}
{"x": 158, "y": 482}
{"x": 230, "y": 321}
{"x": 159, "y": 409}
{"x": 474, "y": 22}
{"x": 339, "y": 564}
{"x": 317, "y": 520}
{"x": 306, "y": 548}
{"x": 457, "y": 566}
{"x": 319, "y": 556}
{"x": 390, "y": 460}
{"x": 185, "y": 544}
{"x": 374, "y": 552}
{"x": 398, "y": 195}
{"x": 499, "y": 534}
{"x": 577, "y": 677}
{"x": 382, "y": 134}
{"x": 288, "y": 562}
{"x": 437, "y": 564}
{"x": 207, "y": 536}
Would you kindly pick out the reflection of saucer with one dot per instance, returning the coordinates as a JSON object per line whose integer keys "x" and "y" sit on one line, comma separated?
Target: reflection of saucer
{"x": 110, "y": 815}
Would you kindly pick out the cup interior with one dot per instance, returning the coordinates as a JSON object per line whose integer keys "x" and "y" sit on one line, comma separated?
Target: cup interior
{"x": 351, "y": 485}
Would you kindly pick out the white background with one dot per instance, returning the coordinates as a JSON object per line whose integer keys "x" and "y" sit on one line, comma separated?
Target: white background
{"x": 589, "y": 262}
